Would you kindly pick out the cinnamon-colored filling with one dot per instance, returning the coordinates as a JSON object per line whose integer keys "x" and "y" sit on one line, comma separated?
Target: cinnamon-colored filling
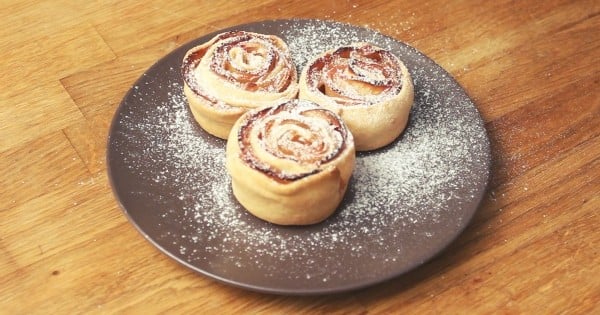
{"x": 253, "y": 62}
{"x": 300, "y": 132}
{"x": 360, "y": 75}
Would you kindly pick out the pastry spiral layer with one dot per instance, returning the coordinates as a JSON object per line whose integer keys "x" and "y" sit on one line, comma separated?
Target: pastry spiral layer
{"x": 233, "y": 72}
{"x": 368, "y": 86}
{"x": 290, "y": 163}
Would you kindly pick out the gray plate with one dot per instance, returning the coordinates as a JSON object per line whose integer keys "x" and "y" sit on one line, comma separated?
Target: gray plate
{"x": 405, "y": 203}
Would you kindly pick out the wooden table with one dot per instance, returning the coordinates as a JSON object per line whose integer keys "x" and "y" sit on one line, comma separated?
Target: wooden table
{"x": 532, "y": 68}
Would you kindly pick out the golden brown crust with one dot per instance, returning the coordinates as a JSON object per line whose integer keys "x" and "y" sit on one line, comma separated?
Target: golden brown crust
{"x": 233, "y": 72}
{"x": 369, "y": 87}
{"x": 290, "y": 164}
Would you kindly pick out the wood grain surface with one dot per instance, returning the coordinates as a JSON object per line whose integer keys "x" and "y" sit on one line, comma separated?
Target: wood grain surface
{"x": 532, "y": 68}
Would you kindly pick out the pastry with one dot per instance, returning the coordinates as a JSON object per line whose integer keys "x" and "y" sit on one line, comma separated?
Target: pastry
{"x": 290, "y": 163}
{"x": 368, "y": 86}
{"x": 233, "y": 72}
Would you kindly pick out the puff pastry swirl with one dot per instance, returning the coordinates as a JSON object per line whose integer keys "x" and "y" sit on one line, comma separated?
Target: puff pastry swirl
{"x": 290, "y": 163}
{"x": 233, "y": 72}
{"x": 368, "y": 86}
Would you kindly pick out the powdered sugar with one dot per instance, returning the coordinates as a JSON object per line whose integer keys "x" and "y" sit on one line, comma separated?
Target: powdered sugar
{"x": 273, "y": 131}
{"x": 360, "y": 74}
{"x": 407, "y": 196}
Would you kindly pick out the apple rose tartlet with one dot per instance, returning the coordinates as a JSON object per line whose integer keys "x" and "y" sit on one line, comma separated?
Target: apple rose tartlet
{"x": 233, "y": 72}
{"x": 290, "y": 163}
{"x": 368, "y": 86}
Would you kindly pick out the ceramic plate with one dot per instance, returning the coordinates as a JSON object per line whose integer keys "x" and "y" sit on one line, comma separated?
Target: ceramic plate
{"x": 405, "y": 202}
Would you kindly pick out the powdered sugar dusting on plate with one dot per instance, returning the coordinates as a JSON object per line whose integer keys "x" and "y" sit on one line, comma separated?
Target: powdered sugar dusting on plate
{"x": 400, "y": 197}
